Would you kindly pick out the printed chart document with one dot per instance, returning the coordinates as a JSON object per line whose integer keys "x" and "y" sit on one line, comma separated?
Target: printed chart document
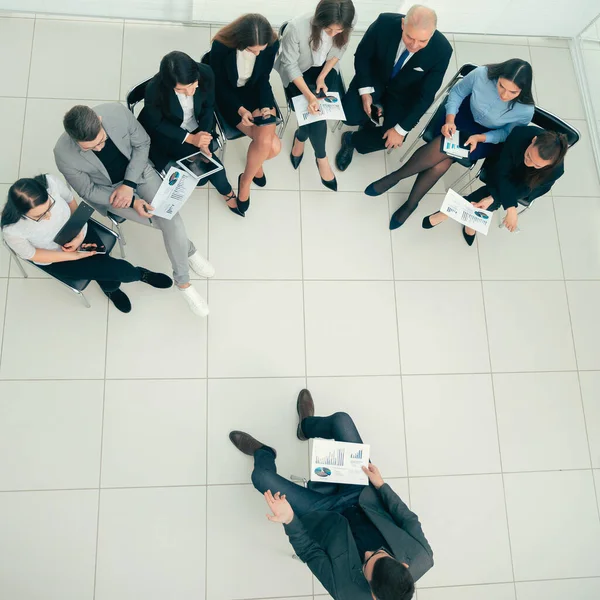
{"x": 453, "y": 146}
{"x": 331, "y": 108}
{"x": 180, "y": 181}
{"x": 459, "y": 209}
{"x": 339, "y": 462}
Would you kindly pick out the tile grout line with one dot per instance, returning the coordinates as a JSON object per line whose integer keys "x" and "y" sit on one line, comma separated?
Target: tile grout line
{"x": 207, "y": 410}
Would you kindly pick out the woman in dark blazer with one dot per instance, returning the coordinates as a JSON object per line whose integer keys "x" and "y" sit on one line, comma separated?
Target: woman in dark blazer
{"x": 242, "y": 57}
{"x": 178, "y": 115}
{"x": 530, "y": 162}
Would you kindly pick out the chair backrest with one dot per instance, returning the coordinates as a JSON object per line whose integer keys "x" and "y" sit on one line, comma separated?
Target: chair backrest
{"x": 136, "y": 94}
{"x": 546, "y": 120}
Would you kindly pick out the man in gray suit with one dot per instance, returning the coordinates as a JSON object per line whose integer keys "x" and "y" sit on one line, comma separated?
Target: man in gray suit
{"x": 103, "y": 154}
{"x": 360, "y": 542}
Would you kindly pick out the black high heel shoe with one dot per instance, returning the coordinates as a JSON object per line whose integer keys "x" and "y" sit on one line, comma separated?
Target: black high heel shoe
{"x": 235, "y": 210}
{"x": 243, "y": 205}
{"x": 296, "y": 160}
{"x": 331, "y": 184}
{"x": 468, "y": 238}
{"x": 260, "y": 181}
{"x": 427, "y": 222}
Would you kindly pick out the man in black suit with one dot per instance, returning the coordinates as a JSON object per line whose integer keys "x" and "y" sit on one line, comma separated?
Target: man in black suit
{"x": 361, "y": 542}
{"x": 399, "y": 63}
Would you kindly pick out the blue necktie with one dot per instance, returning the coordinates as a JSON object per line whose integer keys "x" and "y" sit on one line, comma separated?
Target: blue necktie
{"x": 399, "y": 64}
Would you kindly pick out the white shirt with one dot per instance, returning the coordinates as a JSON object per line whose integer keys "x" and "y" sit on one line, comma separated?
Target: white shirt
{"x": 27, "y": 236}
{"x": 245, "y": 65}
{"x": 370, "y": 90}
{"x": 320, "y": 54}
{"x": 187, "y": 105}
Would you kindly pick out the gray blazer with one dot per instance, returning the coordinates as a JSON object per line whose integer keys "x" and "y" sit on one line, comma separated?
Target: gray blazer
{"x": 295, "y": 56}
{"x": 84, "y": 170}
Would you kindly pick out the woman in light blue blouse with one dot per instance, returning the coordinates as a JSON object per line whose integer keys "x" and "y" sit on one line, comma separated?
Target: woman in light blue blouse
{"x": 487, "y": 104}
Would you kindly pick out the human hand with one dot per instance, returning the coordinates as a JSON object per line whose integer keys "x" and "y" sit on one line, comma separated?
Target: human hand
{"x": 265, "y": 112}
{"x": 203, "y": 139}
{"x": 206, "y": 150}
{"x": 511, "y": 218}
{"x": 448, "y": 130}
{"x": 246, "y": 116}
{"x": 367, "y": 102}
{"x": 121, "y": 196}
{"x": 393, "y": 139}
{"x": 280, "y": 507}
{"x": 142, "y": 208}
{"x": 474, "y": 140}
{"x": 374, "y": 475}
{"x": 74, "y": 243}
{"x": 83, "y": 253}
{"x": 485, "y": 203}
{"x": 314, "y": 108}
{"x": 321, "y": 87}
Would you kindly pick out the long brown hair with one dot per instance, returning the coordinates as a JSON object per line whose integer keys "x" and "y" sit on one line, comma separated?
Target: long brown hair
{"x": 550, "y": 146}
{"x": 332, "y": 12}
{"x": 248, "y": 30}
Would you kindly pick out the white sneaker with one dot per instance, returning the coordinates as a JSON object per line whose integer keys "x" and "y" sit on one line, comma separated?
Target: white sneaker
{"x": 196, "y": 302}
{"x": 200, "y": 265}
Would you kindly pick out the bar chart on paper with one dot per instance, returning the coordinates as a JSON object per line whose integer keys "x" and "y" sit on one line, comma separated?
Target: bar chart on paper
{"x": 338, "y": 462}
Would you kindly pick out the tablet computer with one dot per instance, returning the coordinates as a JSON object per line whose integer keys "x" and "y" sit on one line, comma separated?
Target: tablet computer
{"x": 199, "y": 165}
{"x": 74, "y": 225}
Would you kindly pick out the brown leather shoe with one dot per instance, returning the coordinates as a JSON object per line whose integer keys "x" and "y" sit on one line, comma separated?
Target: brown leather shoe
{"x": 245, "y": 443}
{"x": 306, "y": 408}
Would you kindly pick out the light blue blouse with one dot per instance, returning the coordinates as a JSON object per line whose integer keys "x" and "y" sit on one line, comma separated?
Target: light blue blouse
{"x": 487, "y": 107}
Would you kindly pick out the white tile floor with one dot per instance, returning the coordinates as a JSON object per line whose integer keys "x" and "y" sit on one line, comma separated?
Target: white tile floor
{"x": 117, "y": 480}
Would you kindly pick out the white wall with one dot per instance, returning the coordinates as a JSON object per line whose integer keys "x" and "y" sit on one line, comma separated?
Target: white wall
{"x": 563, "y": 18}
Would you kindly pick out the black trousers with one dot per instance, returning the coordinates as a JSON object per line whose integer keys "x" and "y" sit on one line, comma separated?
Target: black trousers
{"x": 316, "y": 132}
{"x": 480, "y": 194}
{"x": 109, "y": 272}
{"x": 163, "y": 149}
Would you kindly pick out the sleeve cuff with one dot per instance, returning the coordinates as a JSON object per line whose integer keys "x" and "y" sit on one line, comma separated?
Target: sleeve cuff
{"x": 131, "y": 184}
{"x": 366, "y": 90}
{"x": 400, "y": 130}
{"x": 294, "y": 525}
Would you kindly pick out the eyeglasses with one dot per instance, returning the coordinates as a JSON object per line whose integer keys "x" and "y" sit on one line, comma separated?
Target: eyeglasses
{"x": 36, "y": 219}
{"x": 379, "y": 551}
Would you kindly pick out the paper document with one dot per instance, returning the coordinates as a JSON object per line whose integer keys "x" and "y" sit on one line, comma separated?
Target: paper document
{"x": 339, "y": 462}
{"x": 452, "y": 147}
{"x": 459, "y": 209}
{"x": 331, "y": 108}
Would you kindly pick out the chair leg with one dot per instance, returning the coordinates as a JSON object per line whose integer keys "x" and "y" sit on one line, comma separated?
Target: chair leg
{"x": 21, "y": 268}
{"x": 297, "y": 479}
{"x": 464, "y": 187}
{"x": 223, "y": 149}
{"x": 465, "y": 174}
{"x": 83, "y": 298}
{"x": 409, "y": 151}
{"x": 285, "y": 121}
{"x": 122, "y": 242}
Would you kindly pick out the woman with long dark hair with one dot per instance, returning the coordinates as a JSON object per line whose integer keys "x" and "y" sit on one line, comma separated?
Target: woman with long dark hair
{"x": 530, "y": 162}
{"x": 242, "y": 56}
{"x": 311, "y": 48}
{"x": 178, "y": 115}
{"x": 486, "y": 105}
{"x": 36, "y": 209}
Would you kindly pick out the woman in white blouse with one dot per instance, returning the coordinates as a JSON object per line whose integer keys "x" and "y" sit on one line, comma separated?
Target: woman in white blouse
{"x": 311, "y": 47}
{"x": 242, "y": 56}
{"x": 36, "y": 210}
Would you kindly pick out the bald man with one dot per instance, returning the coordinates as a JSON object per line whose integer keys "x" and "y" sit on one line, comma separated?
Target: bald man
{"x": 399, "y": 63}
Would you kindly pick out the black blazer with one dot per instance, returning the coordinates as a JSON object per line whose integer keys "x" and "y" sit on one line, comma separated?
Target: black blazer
{"x": 505, "y": 174}
{"x": 223, "y": 62}
{"x": 156, "y": 122}
{"x": 323, "y": 540}
{"x": 413, "y": 89}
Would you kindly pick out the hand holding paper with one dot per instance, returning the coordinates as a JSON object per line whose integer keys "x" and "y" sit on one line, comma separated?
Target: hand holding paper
{"x": 459, "y": 209}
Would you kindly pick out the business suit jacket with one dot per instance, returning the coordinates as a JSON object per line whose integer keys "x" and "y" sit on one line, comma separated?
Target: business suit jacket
{"x": 296, "y": 53}
{"x": 85, "y": 172}
{"x": 224, "y": 66}
{"x": 505, "y": 175}
{"x": 411, "y": 92}
{"x": 156, "y": 122}
{"x": 323, "y": 540}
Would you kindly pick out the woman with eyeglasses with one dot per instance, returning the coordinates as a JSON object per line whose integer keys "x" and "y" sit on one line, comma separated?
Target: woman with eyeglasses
{"x": 178, "y": 115}
{"x": 311, "y": 48}
{"x": 242, "y": 56}
{"x": 486, "y": 105}
{"x": 530, "y": 162}
{"x": 36, "y": 210}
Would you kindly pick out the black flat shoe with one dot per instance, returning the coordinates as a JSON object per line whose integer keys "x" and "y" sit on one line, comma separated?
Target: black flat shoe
{"x": 296, "y": 160}
{"x": 468, "y": 238}
{"x": 234, "y": 209}
{"x": 331, "y": 184}
{"x": 427, "y": 223}
{"x": 245, "y": 204}
{"x": 156, "y": 280}
{"x": 260, "y": 181}
{"x": 120, "y": 300}
{"x": 344, "y": 157}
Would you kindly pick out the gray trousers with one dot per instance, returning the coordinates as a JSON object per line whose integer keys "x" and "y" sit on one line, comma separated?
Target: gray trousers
{"x": 175, "y": 238}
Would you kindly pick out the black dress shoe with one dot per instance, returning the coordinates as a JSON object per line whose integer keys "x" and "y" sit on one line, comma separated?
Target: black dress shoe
{"x": 344, "y": 157}
{"x": 120, "y": 300}
{"x": 242, "y": 205}
{"x": 306, "y": 408}
{"x": 296, "y": 160}
{"x": 427, "y": 222}
{"x": 157, "y": 280}
{"x": 468, "y": 238}
{"x": 245, "y": 443}
{"x": 331, "y": 184}
{"x": 260, "y": 181}
{"x": 234, "y": 209}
